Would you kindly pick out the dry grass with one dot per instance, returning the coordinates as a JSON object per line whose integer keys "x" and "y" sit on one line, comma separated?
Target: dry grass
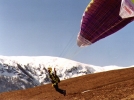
{"x": 111, "y": 85}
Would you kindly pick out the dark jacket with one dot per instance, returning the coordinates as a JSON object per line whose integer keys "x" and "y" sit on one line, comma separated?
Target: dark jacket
{"x": 54, "y": 78}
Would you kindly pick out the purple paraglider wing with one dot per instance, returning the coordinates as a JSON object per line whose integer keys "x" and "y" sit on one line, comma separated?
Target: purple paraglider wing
{"x": 100, "y": 19}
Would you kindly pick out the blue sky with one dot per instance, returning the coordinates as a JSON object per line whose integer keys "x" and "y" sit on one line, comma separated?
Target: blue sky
{"x": 50, "y": 28}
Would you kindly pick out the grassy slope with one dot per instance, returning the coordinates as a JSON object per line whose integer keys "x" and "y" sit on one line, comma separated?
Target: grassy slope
{"x": 110, "y": 85}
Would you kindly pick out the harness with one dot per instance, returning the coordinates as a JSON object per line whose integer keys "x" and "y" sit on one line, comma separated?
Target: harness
{"x": 54, "y": 78}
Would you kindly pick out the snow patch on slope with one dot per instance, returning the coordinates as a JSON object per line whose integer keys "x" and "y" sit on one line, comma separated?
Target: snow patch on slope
{"x": 21, "y": 72}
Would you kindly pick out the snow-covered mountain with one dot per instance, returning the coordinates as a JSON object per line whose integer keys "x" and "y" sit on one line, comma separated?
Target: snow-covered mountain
{"x": 21, "y": 72}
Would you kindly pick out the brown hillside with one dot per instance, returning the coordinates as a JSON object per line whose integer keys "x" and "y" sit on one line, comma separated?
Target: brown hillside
{"x": 111, "y": 85}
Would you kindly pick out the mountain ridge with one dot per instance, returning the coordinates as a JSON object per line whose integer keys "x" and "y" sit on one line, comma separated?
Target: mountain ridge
{"x": 22, "y": 72}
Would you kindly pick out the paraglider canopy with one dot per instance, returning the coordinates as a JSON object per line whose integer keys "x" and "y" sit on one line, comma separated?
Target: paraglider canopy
{"x": 103, "y": 18}
{"x": 127, "y": 8}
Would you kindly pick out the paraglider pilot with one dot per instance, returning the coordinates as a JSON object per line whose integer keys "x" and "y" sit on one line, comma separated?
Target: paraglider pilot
{"x": 55, "y": 80}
